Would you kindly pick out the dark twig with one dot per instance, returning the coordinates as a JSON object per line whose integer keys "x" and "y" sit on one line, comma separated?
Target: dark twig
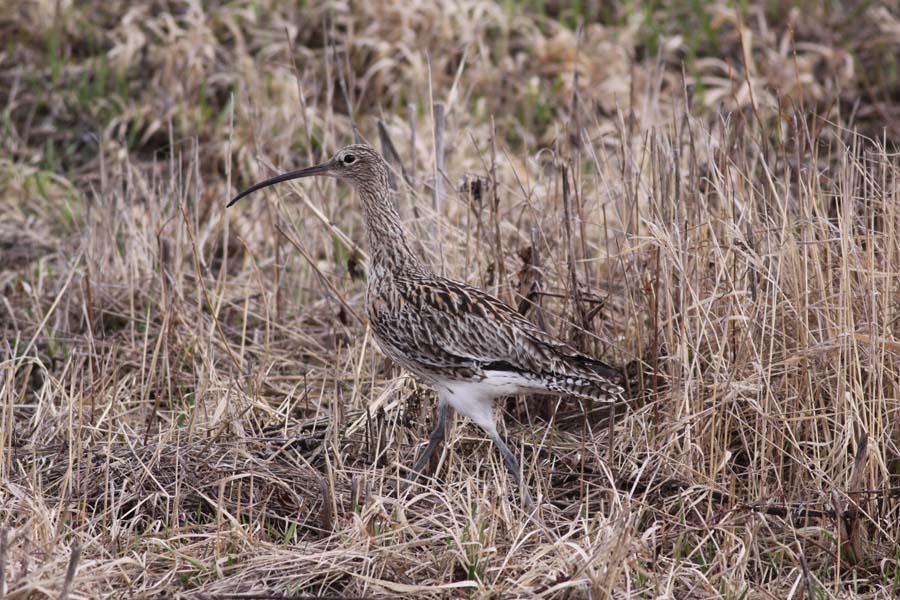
{"x": 4, "y": 541}
{"x": 438, "y": 156}
{"x": 807, "y": 578}
{"x": 70, "y": 572}
{"x": 389, "y": 151}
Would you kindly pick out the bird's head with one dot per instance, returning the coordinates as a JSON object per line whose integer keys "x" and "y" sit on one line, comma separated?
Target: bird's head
{"x": 358, "y": 164}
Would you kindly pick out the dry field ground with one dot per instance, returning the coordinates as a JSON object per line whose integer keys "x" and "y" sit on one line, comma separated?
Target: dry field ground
{"x": 706, "y": 194}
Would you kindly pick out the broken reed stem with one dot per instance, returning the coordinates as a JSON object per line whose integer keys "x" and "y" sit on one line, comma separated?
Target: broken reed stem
{"x": 411, "y": 115}
{"x": 438, "y": 156}
{"x": 326, "y": 515}
{"x": 570, "y": 250}
{"x": 343, "y": 69}
{"x": 499, "y": 265}
{"x": 438, "y": 197}
{"x": 411, "y": 175}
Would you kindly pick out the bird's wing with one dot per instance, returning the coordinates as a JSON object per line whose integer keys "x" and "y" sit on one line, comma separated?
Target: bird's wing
{"x": 458, "y": 326}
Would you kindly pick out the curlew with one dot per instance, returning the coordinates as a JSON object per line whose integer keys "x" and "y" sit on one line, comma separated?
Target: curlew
{"x": 470, "y": 346}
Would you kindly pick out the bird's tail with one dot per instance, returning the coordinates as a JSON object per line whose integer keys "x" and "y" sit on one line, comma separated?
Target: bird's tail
{"x": 600, "y": 368}
{"x": 587, "y": 388}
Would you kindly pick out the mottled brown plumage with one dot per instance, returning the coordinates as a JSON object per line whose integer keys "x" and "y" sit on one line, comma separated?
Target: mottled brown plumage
{"x": 469, "y": 345}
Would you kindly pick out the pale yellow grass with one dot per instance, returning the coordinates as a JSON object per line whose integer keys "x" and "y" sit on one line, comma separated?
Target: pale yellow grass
{"x": 190, "y": 401}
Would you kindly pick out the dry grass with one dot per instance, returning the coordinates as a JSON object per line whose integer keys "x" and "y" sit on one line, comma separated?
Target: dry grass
{"x": 189, "y": 404}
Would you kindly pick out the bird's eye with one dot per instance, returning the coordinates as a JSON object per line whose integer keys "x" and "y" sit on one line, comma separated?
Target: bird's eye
{"x": 349, "y": 159}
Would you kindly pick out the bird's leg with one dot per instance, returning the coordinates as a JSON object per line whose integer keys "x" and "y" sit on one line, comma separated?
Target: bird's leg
{"x": 512, "y": 465}
{"x": 436, "y": 437}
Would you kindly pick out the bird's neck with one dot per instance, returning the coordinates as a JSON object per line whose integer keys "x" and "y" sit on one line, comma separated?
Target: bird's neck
{"x": 388, "y": 248}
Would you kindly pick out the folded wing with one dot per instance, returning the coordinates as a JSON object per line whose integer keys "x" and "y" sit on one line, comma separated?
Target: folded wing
{"x": 445, "y": 325}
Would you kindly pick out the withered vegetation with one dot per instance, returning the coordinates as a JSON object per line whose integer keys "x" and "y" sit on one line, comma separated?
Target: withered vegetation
{"x": 704, "y": 194}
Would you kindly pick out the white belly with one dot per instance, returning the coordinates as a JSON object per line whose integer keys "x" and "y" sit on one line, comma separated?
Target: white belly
{"x": 475, "y": 399}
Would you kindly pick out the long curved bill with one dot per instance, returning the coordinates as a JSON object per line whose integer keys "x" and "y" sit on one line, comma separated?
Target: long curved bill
{"x": 306, "y": 172}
